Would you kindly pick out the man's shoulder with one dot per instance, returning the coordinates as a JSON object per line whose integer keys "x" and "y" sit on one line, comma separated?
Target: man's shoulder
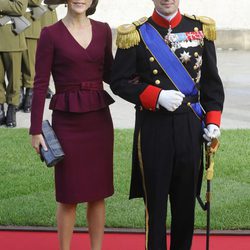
{"x": 128, "y": 35}
{"x": 207, "y": 23}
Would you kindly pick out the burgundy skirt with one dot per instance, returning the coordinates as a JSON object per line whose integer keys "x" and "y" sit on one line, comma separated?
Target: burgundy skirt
{"x": 86, "y": 173}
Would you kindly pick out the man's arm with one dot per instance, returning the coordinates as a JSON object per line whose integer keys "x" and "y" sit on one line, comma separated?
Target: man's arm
{"x": 212, "y": 92}
{"x": 126, "y": 82}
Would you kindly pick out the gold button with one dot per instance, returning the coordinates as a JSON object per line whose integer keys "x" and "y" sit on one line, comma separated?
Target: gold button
{"x": 151, "y": 59}
{"x": 155, "y": 71}
{"x": 150, "y": 109}
{"x": 196, "y": 54}
{"x": 195, "y": 67}
{"x": 196, "y": 29}
{"x": 157, "y": 82}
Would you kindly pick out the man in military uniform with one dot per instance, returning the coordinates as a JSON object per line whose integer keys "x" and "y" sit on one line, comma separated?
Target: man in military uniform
{"x": 166, "y": 66}
{"x": 33, "y": 13}
{"x": 49, "y": 18}
{"x": 11, "y": 47}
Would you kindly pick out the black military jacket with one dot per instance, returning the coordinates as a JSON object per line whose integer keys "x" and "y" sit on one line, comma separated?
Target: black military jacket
{"x": 135, "y": 69}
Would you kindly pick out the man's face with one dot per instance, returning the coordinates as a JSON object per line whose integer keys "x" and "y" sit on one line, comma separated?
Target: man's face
{"x": 166, "y": 7}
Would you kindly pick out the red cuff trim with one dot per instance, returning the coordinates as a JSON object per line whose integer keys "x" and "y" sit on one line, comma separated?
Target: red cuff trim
{"x": 213, "y": 117}
{"x": 149, "y": 97}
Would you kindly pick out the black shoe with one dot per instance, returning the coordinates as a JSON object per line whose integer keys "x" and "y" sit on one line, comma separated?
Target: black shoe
{"x": 28, "y": 100}
{"x": 49, "y": 93}
{"x": 21, "y": 100}
{"x": 2, "y": 115}
{"x": 11, "y": 116}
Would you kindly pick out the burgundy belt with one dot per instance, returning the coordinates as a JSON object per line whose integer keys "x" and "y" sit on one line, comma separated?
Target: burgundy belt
{"x": 65, "y": 87}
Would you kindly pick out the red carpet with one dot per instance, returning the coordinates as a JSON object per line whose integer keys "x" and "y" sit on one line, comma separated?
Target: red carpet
{"x": 10, "y": 240}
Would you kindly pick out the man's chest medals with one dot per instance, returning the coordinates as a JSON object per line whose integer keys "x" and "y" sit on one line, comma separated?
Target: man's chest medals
{"x": 187, "y": 47}
{"x": 184, "y": 39}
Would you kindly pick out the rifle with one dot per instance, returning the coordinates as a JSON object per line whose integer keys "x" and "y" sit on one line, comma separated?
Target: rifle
{"x": 38, "y": 12}
{"x": 4, "y": 20}
{"x": 210, "y": 151}
{"x": 19, "y": 23}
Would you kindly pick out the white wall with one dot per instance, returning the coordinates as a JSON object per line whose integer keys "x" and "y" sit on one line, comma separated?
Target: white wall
{"x": 229, "y": 14}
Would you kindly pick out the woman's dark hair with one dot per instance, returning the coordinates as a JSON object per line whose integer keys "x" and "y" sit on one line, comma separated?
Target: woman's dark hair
{"x": 91, "y": 10}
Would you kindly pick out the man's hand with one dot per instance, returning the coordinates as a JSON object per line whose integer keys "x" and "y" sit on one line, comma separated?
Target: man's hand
{"x": 210, "y": 132}
{"x": 170, "y": 99}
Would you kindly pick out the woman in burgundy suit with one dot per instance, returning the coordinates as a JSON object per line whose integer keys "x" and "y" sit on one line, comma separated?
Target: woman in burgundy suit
{"x": 77, "y": 50}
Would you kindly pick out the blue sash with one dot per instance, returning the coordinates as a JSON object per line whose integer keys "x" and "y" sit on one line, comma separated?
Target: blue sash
{"x": 170, "y": 64}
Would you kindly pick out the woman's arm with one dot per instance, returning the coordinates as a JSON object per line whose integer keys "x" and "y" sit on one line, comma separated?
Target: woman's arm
{"x": 44, "y": 60}
{"x": 108, "y": 58}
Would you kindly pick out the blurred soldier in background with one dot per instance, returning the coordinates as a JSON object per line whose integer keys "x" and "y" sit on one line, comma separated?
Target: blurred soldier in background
{"x": 34, "y": 12}
{"x": 49, "y": 18}
{"x": 12, "y": 43}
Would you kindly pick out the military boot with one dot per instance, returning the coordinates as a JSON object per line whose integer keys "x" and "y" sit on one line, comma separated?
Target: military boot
{"x": 27, "y": 100}
{"x": 21, "y": 99}
{"x": 2, "y": 114}
{"x": 11, "y": 116}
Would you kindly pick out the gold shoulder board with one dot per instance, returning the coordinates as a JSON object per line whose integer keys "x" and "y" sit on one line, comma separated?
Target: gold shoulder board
{"x": 127, "y": 34}
{"x": 208, "y": 26}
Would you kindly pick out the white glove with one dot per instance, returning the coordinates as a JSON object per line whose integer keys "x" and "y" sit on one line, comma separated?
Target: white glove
{"x": 170, "y": 99}
{"x": 210, "y": 132}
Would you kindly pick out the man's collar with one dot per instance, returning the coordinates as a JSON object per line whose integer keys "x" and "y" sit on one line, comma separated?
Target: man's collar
{"x": 163, "y": 22}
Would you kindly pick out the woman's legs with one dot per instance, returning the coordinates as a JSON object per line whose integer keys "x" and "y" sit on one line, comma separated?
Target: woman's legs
{"x": 96, "y": 221}
{"x": 66, "y": 214}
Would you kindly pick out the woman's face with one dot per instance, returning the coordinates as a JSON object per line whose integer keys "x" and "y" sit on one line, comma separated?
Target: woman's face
{"x": 79, "y": 6}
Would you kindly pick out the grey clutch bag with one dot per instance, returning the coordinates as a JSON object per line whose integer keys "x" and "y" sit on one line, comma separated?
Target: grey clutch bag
{"x": 55, "y": 153}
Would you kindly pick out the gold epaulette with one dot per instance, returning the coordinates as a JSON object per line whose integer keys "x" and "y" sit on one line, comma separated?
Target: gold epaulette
{"x": 208, "y": 26}
{"x": 127, "y": 34}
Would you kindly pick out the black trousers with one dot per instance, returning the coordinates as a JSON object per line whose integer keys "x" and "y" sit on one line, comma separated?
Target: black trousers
{"x": 170, "y": 148}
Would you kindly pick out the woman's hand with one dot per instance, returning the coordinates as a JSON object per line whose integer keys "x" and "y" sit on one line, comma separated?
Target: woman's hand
{"x": 36, "y": 141}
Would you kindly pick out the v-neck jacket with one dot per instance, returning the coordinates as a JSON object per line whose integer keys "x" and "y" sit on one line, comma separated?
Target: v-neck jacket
{"x": 72, "y": 66}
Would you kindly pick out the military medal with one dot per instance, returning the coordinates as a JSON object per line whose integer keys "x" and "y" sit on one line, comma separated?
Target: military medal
{"x": 166, "y": 38}
{"x": 198, "y": 77}
{"x": 198, "y": 62}
{"x": 169, "y": 30}
{"x": 185, "y": 57}
{"x": 184, "y": 39}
